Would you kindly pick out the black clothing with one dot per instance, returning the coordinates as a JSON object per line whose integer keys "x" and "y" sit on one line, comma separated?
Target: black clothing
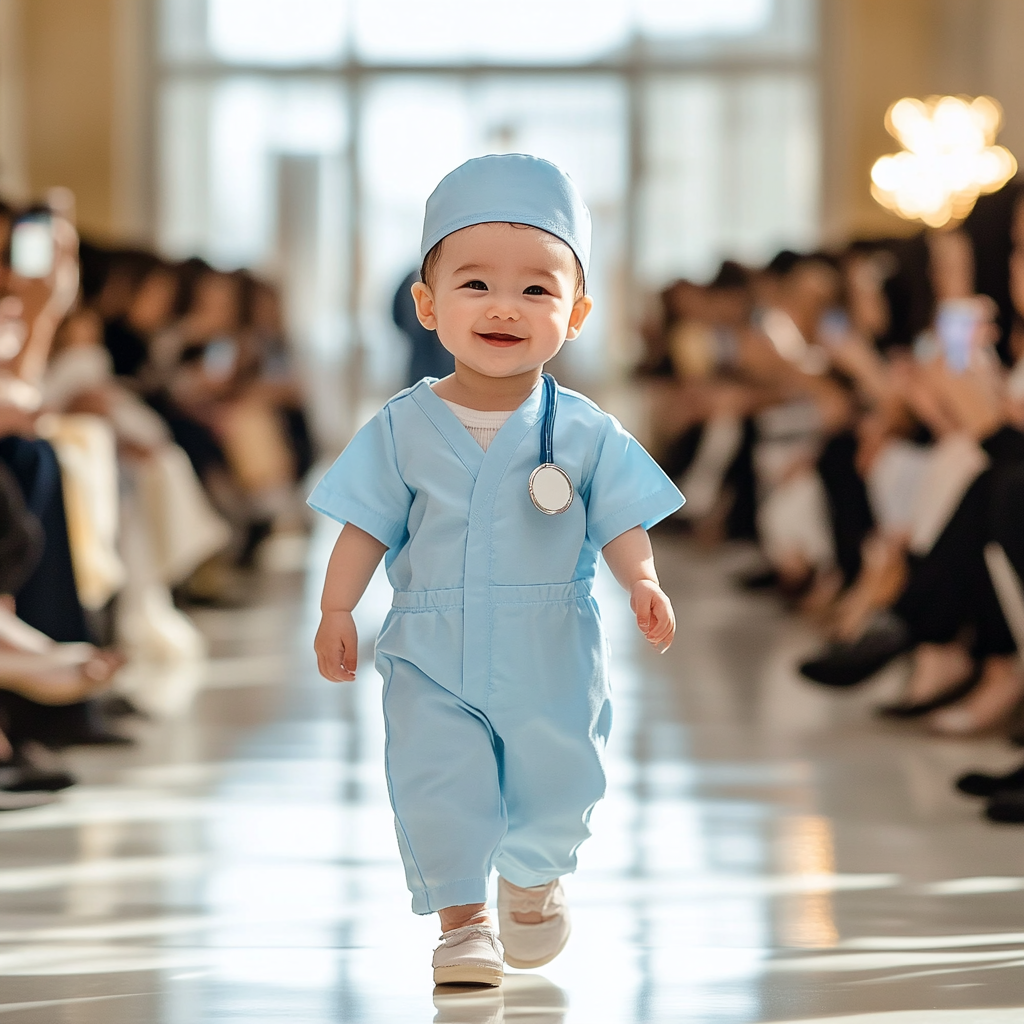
{"x": 48, "y": 600}
{"x": 21, "y": 536}
{"x": 127, "y": 348}
{"x": 949, "y": 588}
{"x": 849, "y": 507}
{"x": 741, "y": 522}
{"x": 300, "y": 440}
{"x": 1006, "y": 523}
{"x": 196, "y": 439}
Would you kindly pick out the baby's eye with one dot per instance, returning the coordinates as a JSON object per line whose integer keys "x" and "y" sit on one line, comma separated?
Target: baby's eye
{"x": 478, "y": 286}
{"x": 534, "y": 289}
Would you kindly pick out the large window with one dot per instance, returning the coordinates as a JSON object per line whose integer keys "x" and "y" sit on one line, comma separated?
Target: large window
{"x": 302, "y": 137}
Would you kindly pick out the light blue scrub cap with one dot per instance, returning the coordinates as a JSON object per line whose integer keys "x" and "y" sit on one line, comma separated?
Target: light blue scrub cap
{"x": 514, "y": 188}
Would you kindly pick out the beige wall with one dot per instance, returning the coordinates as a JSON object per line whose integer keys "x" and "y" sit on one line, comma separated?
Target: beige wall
{"x": 873, "y": 52}
{"x": 75, "y": 111}
{"x": 876, "y": 51}
{"x": 67, "y": 58}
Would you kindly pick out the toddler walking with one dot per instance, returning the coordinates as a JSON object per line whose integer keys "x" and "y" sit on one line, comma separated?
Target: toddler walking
{"x": 491, "y": 495}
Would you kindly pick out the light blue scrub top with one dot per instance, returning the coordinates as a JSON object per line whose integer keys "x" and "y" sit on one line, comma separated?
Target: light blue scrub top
{"x": 487, "y": 587}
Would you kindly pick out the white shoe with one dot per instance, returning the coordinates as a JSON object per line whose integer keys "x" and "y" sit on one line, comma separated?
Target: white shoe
{"x": 533, "y": 945}
{"x": 471, "y": 955}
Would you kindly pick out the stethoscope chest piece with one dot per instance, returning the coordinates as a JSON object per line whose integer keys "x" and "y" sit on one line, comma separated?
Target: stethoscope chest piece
{"x": 551, "y": 489}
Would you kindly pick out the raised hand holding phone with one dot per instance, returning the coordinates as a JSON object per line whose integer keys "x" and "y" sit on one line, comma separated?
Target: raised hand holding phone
{"x": 46, "y": 235}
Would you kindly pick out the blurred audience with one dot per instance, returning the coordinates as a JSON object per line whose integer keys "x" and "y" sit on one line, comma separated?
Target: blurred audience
{"x": 152, "y": 433}
{"x": 860, "y": 414}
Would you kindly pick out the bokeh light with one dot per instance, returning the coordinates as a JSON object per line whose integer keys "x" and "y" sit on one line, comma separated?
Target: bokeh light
{"x": 949, "y": 158}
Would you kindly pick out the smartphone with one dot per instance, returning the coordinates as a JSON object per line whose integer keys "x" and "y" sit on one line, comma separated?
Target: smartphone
{"x": 956, "y": 324}
{"x": 32, "y": 245}
{"x": 834, "y": 326}
{"x": 219, "y": 358}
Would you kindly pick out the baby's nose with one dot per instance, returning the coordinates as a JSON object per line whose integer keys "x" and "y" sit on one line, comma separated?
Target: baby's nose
{"x": 504, "y": 311}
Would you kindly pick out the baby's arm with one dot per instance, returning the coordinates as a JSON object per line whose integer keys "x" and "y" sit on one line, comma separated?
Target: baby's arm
{"x": 631, "y": 561}
{"x": 355, "y": 556}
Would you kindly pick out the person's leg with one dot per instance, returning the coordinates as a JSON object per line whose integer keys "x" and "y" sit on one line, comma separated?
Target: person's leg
{"x": 553, "y": 738}
{"x": 938, "y": 602}
{"x": 48, "y": 600}
{"x": 554, "y": 733}
{"x": 21, "y": 536}
{"x": 741, "y": 523}
{"x": 301, "y": 440}
{"x": 194, "y": 438}
{"x": 942, "y": 586}
{"x": 680, "y": 453}
{"x": 1007, "y": 516}
{"x": 1001, "y": 687}
{"x": 442, "y": 767}
{"x": 848, "y": 503}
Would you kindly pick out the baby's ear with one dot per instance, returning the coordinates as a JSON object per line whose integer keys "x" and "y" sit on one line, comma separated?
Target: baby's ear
{"x": 580, "y": 311}
{"x": 424, "y": 299}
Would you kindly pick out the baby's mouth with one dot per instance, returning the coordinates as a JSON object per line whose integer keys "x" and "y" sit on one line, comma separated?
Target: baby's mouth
{"x": 500, "y": 339}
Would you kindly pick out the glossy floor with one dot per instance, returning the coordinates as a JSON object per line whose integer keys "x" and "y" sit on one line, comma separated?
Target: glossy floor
{"x": 767, "y": 852}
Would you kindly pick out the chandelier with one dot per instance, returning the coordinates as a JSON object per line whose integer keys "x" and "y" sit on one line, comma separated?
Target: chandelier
{"x": 949, "y": 158}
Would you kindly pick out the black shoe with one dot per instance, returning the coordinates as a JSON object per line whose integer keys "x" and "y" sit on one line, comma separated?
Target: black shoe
{"x": 917, "y": 709}
{"x": 18, "y": 779}
{"x": 886, "y": 638}
{"x": 118, "y": 706}
{"x": 1007, "y": 808}
{"x": 983, "y": 784}
{"x": 79, "y": 725}
{"x": 766, "y": 580}
{"x": 34, "y": 769}
{"x": 94, "y": 736}
{"x": 256, "y": 534}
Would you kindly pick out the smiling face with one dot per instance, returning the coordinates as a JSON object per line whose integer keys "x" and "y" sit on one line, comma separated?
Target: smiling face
{"x": 503, "y": 299}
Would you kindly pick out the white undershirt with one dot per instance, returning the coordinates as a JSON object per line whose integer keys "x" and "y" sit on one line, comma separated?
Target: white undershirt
{"x": 481, "y": 424}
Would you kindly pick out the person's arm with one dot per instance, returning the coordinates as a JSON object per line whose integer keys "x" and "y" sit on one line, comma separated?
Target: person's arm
{"x": 631, "y": 560}
{"x": 45, "y": 302}
{"x": 356, "y": 554}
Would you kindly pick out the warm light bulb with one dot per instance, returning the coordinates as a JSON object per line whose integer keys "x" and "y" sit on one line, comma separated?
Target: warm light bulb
{"x": 948, "y": 158}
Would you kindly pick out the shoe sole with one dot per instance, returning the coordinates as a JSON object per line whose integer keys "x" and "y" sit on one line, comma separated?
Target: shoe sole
{"x": 459, "y": 975}
{"x": 529, "y": 965}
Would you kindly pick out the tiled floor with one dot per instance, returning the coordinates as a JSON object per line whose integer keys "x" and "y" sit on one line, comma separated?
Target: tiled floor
{"x": 767, "y": 852}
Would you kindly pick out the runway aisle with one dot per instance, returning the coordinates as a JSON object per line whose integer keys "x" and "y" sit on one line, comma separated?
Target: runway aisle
{"x": 766, "y": 853}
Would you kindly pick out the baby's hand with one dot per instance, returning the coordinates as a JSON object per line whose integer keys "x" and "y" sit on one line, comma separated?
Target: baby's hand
{"x": 337, "y": 647}
{"x": 654, "y": 614}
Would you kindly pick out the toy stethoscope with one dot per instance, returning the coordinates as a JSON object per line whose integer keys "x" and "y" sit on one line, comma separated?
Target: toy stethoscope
{"x": 551, "y": 489}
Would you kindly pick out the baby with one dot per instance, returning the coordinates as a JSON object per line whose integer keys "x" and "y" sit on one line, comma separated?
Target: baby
{"x": 496, "y": 694}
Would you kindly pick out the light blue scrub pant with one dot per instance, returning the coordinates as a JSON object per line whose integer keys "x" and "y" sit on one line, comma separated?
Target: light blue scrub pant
{"x": 511, "y": 789}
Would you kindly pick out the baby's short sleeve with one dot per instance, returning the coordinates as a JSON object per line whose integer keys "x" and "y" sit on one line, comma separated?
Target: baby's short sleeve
{"x": 364, "y": 487}
{"x": 627, "y": 487}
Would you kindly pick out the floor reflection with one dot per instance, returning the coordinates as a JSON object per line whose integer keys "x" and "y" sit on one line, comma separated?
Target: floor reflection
{"x": 766, "y": 852}
{"x": 524, "y": 998}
